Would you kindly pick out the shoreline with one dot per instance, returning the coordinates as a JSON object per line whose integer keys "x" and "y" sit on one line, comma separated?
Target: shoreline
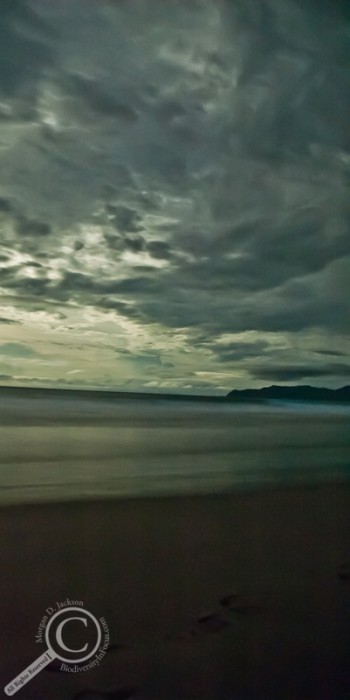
{"x": 239, "y": 489}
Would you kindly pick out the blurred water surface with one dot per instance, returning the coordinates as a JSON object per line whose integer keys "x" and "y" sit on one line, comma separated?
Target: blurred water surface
{"x": 58, "y": 448}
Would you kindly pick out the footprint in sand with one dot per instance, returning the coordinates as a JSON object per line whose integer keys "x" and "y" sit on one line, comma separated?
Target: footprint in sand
{"x": 344, "y": 576}
{"x": 210, "y": 622}
{"x": 213, "y": 621}
{"x": 242, "y": 604}
{"x": 207, "y": 623}
{"x": 344, "y": 572}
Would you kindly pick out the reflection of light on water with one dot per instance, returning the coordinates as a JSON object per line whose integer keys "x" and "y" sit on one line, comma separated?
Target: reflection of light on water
{"x": 87, "y": 448}
{"x": 310, "y": 407}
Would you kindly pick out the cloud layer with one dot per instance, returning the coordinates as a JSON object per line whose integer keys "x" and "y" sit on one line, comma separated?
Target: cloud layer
{"x": 174, "y": 185}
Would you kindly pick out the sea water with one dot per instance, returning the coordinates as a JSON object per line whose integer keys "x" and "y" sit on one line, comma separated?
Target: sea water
{"x": 75, "y": 447}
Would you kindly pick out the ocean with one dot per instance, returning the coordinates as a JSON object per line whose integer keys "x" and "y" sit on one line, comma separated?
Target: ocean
{"x": 69, "y": 447}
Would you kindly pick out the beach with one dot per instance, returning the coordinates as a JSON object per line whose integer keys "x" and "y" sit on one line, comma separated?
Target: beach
{"x": 231, "y": 590}
{"x": 159, "y": 570}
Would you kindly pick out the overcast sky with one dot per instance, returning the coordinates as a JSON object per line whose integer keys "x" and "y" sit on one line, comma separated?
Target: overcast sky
{"x": 174, "y": 204}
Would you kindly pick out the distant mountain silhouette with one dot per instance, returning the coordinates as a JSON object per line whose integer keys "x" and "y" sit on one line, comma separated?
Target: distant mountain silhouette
{"x": 287, "y": 393}
{"x": 292, "y": 393}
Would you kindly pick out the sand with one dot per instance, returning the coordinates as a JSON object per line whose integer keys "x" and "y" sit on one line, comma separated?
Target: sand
{"x": 221, "y": 597}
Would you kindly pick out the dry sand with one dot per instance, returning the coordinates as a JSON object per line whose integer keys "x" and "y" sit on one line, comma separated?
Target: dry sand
{"x": 230, "y": 597}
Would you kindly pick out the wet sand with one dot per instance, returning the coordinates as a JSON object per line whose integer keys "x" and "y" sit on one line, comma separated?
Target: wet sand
{"x": 213, "y": 597}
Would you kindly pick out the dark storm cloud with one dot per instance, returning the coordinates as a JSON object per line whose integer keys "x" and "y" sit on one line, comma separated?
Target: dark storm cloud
{"x": 98, "y": 99}
{"x": 240, "y": 351}
{"x": 18, "y": 350}
{"x": 288, "y": 37}
{"x": 335, "y": 353}
{"x": 134, "y": 243}
{"x": 318, "y": 300}
{"x": 25, "y": 56}
{"x": 207, "y": 141}
{"x": 8, "y": 321}
{"x": 160, "y": 250}
{"x": 288, "y": 374}
{"x": 74, "y": 282}
{"x": 127, "y": 310}
{"x": 14, "y": 279}
{"x": 25, "y": 227}
{"x": 5, "y": 206}
{"x": 124, "y": 219}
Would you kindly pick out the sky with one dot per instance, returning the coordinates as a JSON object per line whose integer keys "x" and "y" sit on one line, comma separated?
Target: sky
{"x": 174, "y": 205}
